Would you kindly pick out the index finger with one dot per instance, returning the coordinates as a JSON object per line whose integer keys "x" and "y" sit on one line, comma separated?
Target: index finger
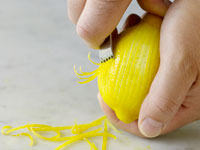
{"x": 99, "y": 18}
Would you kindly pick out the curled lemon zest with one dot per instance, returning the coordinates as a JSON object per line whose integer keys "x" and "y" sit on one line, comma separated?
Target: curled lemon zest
{"x": 53, "y": 128}
{"x": 59, "y": 139}
{"x": 52, "y": 139}
{"x": 104, "y": 145}
{"x": 71, "y": 137}
{"x": 92, "y": 145}
{"x": 26, "y": 126}
{"x": 27, "y": 135}
{"x": 88, "y": 80}
{"x": 89, "y": 57}
{"x": 3, "y": 132}
{"x": 46, "y": 138}
{"x": 77, "y": 129}
{"x": 20, "y": 134}
{"x": 83, "y": 73}
{"x": 82, "y": 136}
{"x": 92, "y": 75}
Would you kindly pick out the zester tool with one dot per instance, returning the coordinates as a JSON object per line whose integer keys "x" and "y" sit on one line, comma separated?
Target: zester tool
{"x": 106, "y": 50}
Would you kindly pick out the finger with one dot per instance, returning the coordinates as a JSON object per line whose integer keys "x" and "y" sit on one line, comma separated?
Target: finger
{"x": 131, "y": 127}
{"x": 168, "y": 90}
{"x": 187, "y": 113}
{"x": 183, "y": 116}
{"x": 99, "y": 18}
{"x": 74, "y": 9}
{"x": 157, "y": 7}
{"x": 132, "y": 20}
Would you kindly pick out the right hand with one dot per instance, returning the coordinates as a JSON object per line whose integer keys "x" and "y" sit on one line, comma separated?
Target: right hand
{"x": 96, "y": 19}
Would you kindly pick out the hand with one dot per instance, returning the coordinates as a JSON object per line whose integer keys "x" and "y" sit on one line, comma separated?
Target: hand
{"x": 174, "y": 97}
{"x": 96, "y": 19}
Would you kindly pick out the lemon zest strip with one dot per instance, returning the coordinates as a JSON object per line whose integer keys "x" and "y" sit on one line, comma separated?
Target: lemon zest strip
{"x": 54, "y": 138}
{"x": 83, "y": 73}
{"x": 27, "y": 135}
{"x": 84, "y": 135}
{"x": 53, "y": 128}
{"x": 92, "y": 145}
{"x": 26, "y": 126}
{"x": 89, "y": 73}
{"x": 89, "y": 57}
{"x": 105, "y": 137}
{"x": 89, "y": 79}
{"x": 3, "y": 130}
{"x": 76, "y": 129}
{"x": 59, "y": 139}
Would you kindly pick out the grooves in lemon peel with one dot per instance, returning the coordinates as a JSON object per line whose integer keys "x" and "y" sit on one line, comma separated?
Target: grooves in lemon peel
{"x": 78, "y": 132}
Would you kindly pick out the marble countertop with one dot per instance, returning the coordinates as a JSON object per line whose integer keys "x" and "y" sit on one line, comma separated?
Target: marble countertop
{"x": 38, "y": 48}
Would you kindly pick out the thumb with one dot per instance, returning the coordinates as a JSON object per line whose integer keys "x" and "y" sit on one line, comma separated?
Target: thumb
{"x": 166, "y": 95}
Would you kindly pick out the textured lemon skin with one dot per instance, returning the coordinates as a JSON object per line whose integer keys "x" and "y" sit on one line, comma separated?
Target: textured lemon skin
{"x": 125, "y": 80}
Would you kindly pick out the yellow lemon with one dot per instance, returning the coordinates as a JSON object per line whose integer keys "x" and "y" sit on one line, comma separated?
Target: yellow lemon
{"x": 125, "y": 80}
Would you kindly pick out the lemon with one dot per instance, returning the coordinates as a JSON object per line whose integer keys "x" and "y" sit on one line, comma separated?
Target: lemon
{"x": 125, "y": 80}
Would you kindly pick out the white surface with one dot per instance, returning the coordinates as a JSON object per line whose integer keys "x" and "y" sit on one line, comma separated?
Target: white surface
{"x": 38, "y": 47}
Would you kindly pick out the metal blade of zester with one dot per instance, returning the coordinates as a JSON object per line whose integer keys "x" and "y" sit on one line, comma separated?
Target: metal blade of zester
{"x": 106, "y": 51}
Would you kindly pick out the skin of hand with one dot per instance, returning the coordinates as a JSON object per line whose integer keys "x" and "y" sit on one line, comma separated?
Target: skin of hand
{"x": 174, "y": 97}
{"x": 96, "y": 19}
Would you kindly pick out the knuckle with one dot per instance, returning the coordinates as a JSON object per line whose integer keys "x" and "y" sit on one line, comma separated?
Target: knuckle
{"x": 84, "y": 32}
{"x": 167, "y": 106}
{"x": 109, "y": 5}
{"x": 183, "y": 63}
{"x": 90, "y": 34}
{"x": 187, "y": 67}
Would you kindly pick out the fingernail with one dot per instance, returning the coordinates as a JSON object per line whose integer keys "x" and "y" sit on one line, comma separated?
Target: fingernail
{"x": 151, "y": 128}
